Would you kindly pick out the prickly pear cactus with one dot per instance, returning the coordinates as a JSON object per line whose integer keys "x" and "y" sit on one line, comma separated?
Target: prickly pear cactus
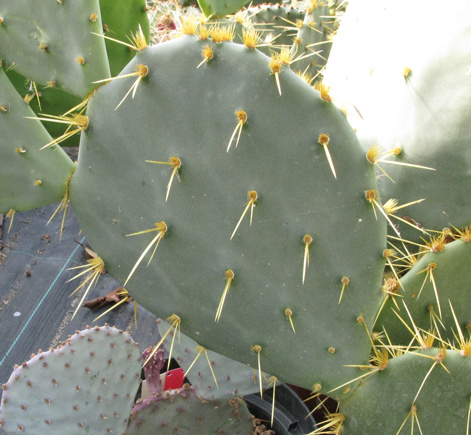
{"x": 42, "y": 84}
{"x": 86, "y": 385}
{"x": 262, "y": 205}
{"x": 154, "y": 363}
{"x": 235, "y": 200}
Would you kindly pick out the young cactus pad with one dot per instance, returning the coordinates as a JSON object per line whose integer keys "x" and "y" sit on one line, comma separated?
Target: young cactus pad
{"x": 86, "y": 385}
{"x": 275, "y": 176}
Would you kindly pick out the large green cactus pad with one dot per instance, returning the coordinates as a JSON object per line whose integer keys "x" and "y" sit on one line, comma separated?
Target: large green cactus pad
{"x": 29, "y": 178}
{"x": 115, "y": 192}
{"x": 53, "y": 43}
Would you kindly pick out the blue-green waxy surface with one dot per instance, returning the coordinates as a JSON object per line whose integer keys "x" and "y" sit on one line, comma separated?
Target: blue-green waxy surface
{"x": 116, "y": 193}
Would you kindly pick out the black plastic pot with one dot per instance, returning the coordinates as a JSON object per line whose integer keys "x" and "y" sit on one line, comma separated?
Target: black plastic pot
{"x": 290, "y": 416}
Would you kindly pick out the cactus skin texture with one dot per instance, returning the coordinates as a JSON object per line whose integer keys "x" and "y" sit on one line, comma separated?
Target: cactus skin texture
{"x": 32, "y": 178}
{"x": 385, "y": 400}
{"x": 53, "y": 44}
{"x": 298, "y": 195}
{"x": 220, "y": 8}
{"x": 233, "y": 378}
{"x": 303, "y": 32}
{"x": 413, "y": 92}
{"x": 86, "y": 385}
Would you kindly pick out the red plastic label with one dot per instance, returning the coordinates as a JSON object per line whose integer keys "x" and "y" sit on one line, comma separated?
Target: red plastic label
{"x": 174, "y": 379}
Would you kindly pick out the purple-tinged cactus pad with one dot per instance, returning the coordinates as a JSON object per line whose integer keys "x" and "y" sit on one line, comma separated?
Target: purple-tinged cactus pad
{"x": 183, "y": 412}
{"x": 87, "y": 385}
